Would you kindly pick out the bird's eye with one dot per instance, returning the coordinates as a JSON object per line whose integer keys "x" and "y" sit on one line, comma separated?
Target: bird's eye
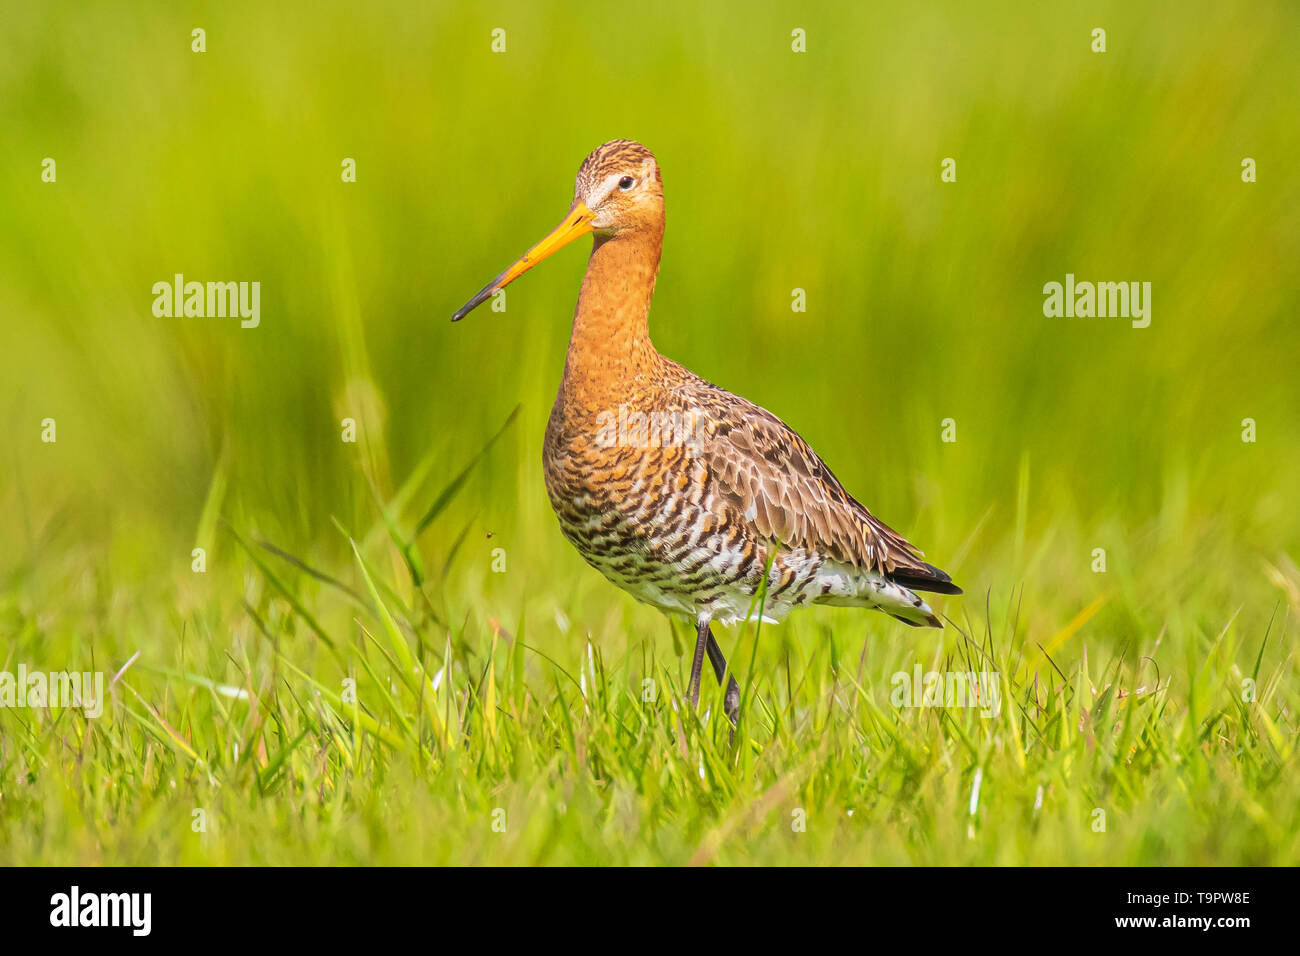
{"x": 626, "y": 183}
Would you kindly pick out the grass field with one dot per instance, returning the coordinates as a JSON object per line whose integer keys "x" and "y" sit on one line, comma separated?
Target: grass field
{"x": 392, "y": 656}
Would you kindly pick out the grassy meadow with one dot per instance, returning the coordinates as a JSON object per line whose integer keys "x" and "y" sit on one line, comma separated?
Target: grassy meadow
{"x": 391, "y": 655}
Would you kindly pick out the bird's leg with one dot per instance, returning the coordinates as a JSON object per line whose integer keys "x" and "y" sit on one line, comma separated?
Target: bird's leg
{"x": 702, "y": 637}
{"x": 731, "y": 700}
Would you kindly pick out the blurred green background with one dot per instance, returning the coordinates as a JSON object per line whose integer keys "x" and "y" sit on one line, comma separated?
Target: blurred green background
{"x": 782, "y": 170}
{"x": 817, "y": 170}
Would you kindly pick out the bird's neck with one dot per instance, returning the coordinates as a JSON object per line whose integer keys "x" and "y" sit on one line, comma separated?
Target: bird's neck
{"x": 610, "y": 349}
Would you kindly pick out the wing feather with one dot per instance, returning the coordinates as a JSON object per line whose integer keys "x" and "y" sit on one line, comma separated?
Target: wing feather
{"x": 776, "y": 482}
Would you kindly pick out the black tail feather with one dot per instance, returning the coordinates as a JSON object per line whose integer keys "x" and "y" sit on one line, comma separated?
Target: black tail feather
{"x": 926, "y": 578}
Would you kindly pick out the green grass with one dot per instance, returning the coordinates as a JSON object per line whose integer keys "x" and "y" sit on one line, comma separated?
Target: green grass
{"x": 497, "y": 679}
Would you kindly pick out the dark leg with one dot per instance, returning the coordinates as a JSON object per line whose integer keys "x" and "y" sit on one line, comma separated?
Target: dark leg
{"x": 702, "y": 637}
{"x": 731, "y": 700}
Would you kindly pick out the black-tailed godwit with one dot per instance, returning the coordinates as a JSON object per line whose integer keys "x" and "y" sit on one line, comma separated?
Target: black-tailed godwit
{"x": 679, "y": 492}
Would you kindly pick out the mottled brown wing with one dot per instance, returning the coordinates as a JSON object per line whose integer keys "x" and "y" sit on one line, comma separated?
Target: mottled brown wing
{"x": 786, "y": 492}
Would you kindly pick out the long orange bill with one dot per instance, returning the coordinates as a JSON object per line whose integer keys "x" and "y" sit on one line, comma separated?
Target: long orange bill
{"x": 576, "y": 224}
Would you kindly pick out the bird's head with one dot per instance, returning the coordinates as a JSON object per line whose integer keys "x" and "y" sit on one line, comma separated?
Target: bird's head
{"x": 618, "y": 190}
{"x": 619, "y": 183}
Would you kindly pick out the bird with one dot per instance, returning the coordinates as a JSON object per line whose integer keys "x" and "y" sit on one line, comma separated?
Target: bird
{"x": 683, "y": 494}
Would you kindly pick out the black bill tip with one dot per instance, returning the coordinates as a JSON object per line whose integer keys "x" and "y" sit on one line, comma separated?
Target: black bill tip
{"x": 480, "y": 297}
